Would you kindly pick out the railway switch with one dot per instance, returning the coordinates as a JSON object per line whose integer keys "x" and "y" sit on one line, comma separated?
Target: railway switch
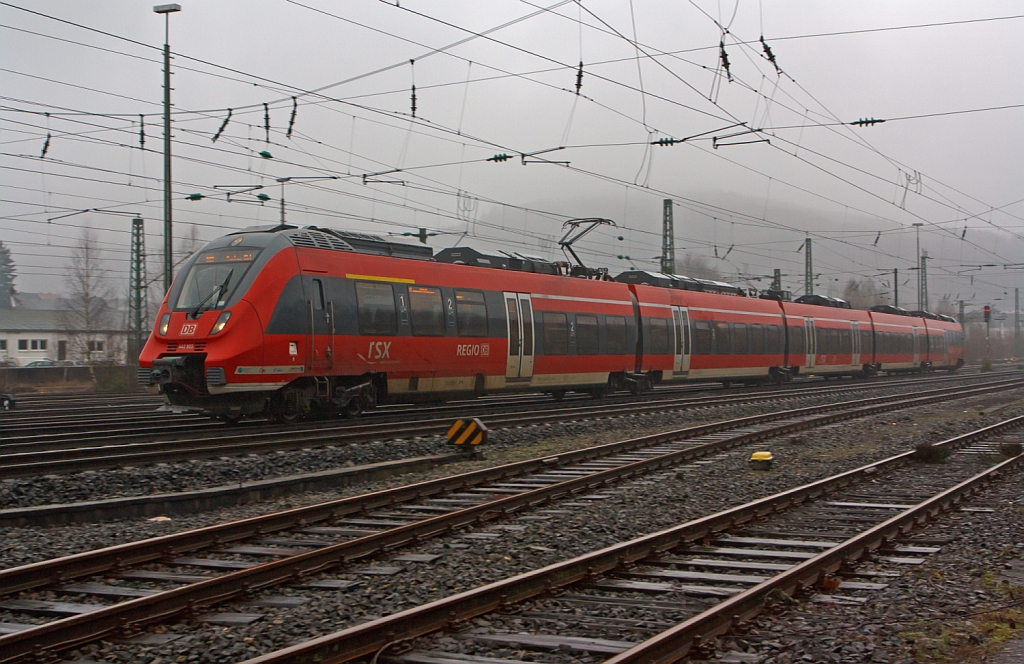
{"x": 468, "y": 434}
{"x": 761, "y": 460}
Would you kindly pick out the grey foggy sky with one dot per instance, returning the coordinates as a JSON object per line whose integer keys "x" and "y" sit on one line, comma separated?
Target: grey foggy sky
{"x": 842, "y": 184}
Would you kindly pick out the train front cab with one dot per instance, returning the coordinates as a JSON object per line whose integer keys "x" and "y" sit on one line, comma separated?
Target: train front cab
{"x": 206, "y": 350}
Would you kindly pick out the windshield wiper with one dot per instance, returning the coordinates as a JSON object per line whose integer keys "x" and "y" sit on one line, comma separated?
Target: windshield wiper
{"x": 219, "y": 290}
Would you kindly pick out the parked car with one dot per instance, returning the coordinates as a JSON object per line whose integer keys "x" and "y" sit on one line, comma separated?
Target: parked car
{"x": 8, "y": 363}
{"x": 45, "y": 362}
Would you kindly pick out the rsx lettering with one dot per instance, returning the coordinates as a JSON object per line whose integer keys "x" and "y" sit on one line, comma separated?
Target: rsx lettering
{"x": 379, "y": 350}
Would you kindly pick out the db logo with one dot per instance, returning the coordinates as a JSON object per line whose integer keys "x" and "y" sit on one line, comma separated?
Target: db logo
{"x": 189, "y": 328}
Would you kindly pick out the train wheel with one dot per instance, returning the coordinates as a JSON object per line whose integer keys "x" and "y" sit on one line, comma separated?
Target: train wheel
{"x": 353, "y": 408}
{"x": 558, "y": 395}
{"x": 230, "y": 420}
{"x": 284, "y": 407}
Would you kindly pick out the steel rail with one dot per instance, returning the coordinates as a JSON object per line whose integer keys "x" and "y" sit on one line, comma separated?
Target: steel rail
{"x": 70, "y": 632}
{"x": 674, "y": 643}
{"x": 371, "y": 637}
{"x": 27, "y": 464}
{"x": 90, "y": 562}
{"x": 68, "y": 437}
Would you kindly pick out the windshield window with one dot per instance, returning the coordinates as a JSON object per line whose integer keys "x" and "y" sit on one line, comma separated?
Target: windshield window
{"x": 218, "y": 269}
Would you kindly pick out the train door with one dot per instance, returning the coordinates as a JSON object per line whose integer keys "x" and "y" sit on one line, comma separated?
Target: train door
{"x": 681, "y": 364}
{"x": 519, "y": 314}
{"x": 917, "y": 347}
{"x": 811, "y": 342}
{"x": 856, "y": 343}
{"x": 321, "y": 322}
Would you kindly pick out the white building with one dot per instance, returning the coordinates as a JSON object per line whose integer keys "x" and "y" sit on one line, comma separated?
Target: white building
{"x": 28, "y": 335}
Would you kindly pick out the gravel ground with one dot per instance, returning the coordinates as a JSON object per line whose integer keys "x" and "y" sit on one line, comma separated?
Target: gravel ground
{"x": 964, "y": 604}
{"x": 632, "y": 509}
{"x": 228, "y": 470}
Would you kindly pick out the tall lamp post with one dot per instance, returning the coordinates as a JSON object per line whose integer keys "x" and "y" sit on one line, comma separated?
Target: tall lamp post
{"x": 167, "y": 10}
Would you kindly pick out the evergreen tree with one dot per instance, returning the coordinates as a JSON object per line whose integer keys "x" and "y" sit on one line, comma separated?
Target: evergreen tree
{"x": 7, "y": 274}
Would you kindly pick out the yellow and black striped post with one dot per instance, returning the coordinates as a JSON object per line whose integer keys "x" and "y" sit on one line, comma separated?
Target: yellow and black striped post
{"x": 467, "y": 433}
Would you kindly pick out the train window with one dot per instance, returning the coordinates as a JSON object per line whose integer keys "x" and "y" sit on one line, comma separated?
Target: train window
{"x": 615, "y": 334}
{"x": 682, "y": 333}
{"x": 661, "y": 342}
{"x": 318, "y": 295}
{"x": 822, "y": 340}
{"x": 865, "y": 342}
{"x": 723, "y": 339}
{"x": 513, "y": 327}
{"x": 796, "y": 339}
{"x": 740, "y": 339}
{"x": 702, "y": 337}
{"x": 376, "y": 308}
{"x": 527, "y": 327}
{"x": 556, "y": 334}
{"x": 772, "y": 339}
{"x": 757, "y": 339}
{"x": 588, "y": 336}
{"x": 846, "y": 340}
{"x": 427, "y": 311}
{"x": 471, "y": 311}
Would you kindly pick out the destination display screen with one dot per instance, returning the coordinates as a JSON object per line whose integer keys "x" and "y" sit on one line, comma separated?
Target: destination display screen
{"x": 237, "y": 255}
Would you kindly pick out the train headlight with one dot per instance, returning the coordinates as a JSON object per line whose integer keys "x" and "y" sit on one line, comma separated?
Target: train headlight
{"x": 222, "y": 320}
{"x": 165, "y": 322}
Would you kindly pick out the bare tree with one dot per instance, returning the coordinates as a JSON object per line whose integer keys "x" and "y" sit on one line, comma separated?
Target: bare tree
{"x": 863, "y": 294}
{"x": 90, "y": 313}
{"x": 697, "y": 267}
{"x": 945, "y": 305}
{"x": 7, "y": 274}
{"x": 187, "y": 245}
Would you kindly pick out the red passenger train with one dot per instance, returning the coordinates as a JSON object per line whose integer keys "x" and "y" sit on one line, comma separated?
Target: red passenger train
{"x": 289, "y": 322}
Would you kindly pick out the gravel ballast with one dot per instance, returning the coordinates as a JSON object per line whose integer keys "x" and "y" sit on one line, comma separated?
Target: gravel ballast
{"x": 632, "y": 509}
{"x": 208, "y": 473}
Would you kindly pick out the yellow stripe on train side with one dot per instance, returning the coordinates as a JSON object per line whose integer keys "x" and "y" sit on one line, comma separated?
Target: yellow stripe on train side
{"x": 370, "y": 277}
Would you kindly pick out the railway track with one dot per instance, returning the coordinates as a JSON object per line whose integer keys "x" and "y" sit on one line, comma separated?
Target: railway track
{"x": 653, "y": 598}
{"x": 86, "y": 421}
{"x": 25, "y": 459}
{"x": 303, "y": 542}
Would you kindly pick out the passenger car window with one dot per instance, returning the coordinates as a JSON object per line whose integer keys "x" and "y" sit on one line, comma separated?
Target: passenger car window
{"x": 723, "y": 339}
{"x": 588, "y": 335}
{"x": 427, "y": 311}
{"x": 615, "y": 334}
{"x": 471, "y": 310}
{"x": 376, "y": 308}
{"x": 702, "y": 337}
{"x": 661, "y": 343}
{"x": 556, "y": 334}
